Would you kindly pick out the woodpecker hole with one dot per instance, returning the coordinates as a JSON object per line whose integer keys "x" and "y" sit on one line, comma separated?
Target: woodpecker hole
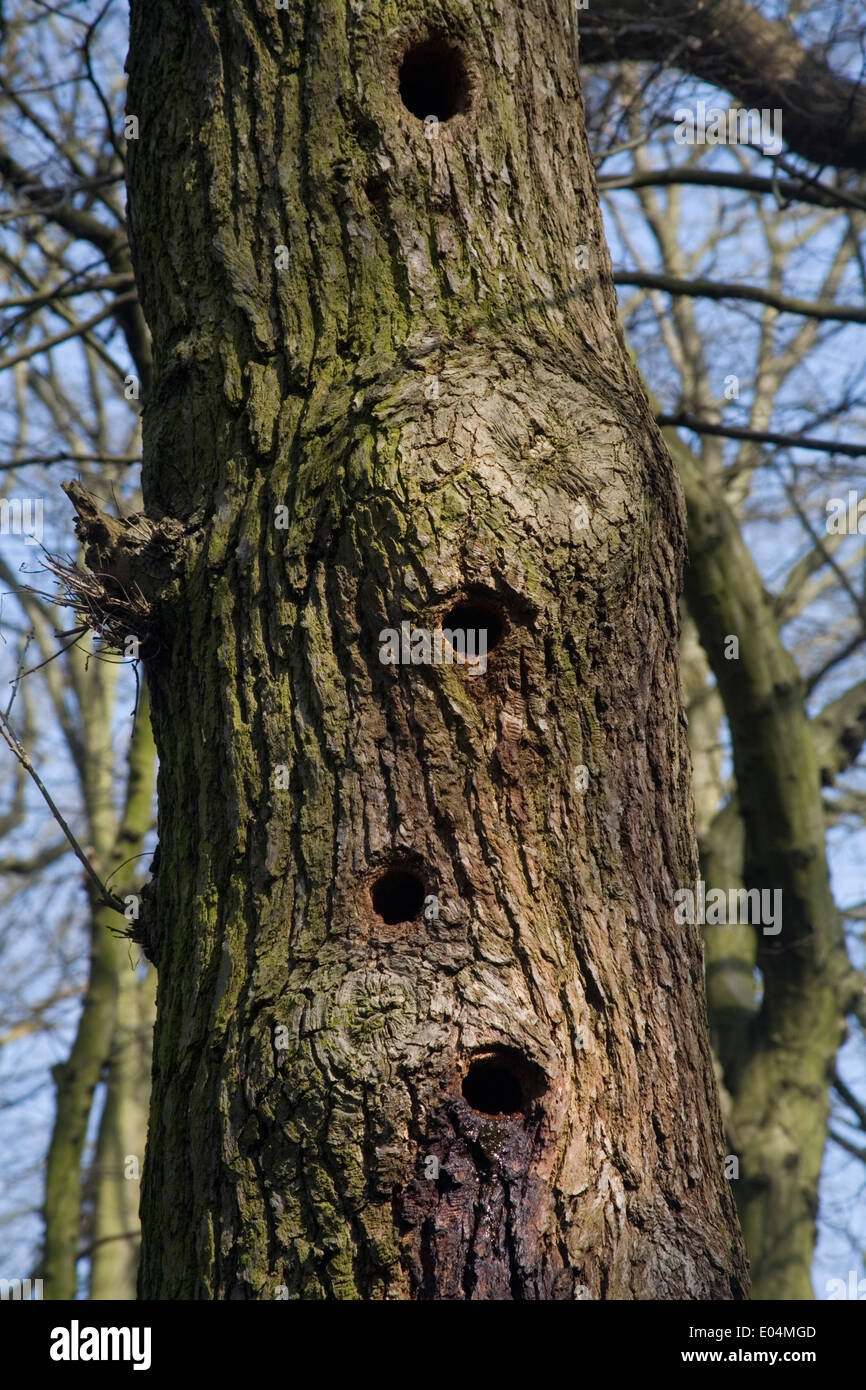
{"x": 492, "y": 1089}
{"x": 398, "y": 896}
{"x": 433, "y": 80}
{"x": 501, "y": 1082}
{"x": 472, "y": 629}
{"x": 376, "y": 190}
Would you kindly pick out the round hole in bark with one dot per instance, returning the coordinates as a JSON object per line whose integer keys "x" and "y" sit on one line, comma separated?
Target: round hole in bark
{"x": 500, "y": 1081}
{"x": 375, "y": 188}
{"x": 492, "y": 1088}
{"x": 472, "y": 628}
{"x": 433, "y": 79}
{"x": 398, "y": 896}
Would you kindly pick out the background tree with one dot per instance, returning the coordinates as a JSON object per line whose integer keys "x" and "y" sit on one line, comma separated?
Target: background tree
{"x": 70, "y": 400}
{"x": 778, "y": 1009}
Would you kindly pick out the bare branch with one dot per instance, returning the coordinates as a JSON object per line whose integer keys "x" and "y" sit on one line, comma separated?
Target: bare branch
{"x": 791, "y": 190}
{"x": 682, "y": 420}
{"x": 760, "y": 61}
{"x": 713, "y": 289}
{"x": 75, "y": 331}
{"x": 106, "y": 897}
{"x": 840, "y": 731}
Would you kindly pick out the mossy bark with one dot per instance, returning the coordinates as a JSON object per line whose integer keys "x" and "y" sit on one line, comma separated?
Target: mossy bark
{"x": 388, "y": 377}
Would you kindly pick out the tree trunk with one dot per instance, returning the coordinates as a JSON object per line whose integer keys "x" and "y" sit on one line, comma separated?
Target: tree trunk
{"x": 115, "y": 848}
{"x": 116, "y": 1171}
{"x": 778, "y": 1057}
{"x": 426, "y": 1025}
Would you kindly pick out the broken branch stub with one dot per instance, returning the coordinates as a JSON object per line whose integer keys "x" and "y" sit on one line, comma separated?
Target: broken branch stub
{"x": 130, "y": 560}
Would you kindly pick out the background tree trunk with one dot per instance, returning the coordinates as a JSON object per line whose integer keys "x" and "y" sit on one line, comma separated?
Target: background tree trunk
{"x": 778, "y": 1063}
{"x": 102, "y": 1035}
{"x": 407, "y": 338}
{"x": 119, "y": 1156}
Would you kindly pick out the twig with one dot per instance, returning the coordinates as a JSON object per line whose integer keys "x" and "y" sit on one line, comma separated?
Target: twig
{"x": 683, "y": 420}
{"x": 106, "y": 897}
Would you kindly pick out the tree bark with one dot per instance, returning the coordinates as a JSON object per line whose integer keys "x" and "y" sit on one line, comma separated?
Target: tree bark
{"x": 388, "y": 380}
